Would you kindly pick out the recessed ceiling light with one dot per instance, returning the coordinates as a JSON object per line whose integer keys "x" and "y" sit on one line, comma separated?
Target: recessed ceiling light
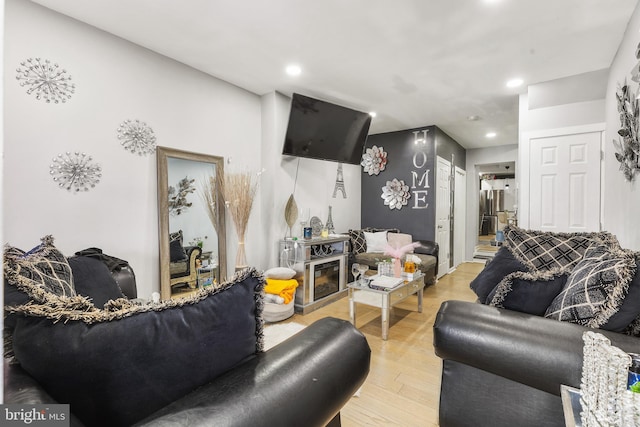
{"x": 491, "y": 134}
{"x": 373, "y": 113}
{"x": 293, "y": 70}
{"x": 473, "y": 118}
{"x": 515, "y": 82}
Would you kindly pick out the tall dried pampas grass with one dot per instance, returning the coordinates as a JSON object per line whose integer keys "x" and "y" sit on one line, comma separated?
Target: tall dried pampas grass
{"x": 238, "y": 191}
{"x": 210, "y": 194}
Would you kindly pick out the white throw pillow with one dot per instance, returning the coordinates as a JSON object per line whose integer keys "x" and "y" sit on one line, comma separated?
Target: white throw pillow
{"x": 280, "y": 273}
{"x": 376, "y": 242}
{"x": 398, "y": 240}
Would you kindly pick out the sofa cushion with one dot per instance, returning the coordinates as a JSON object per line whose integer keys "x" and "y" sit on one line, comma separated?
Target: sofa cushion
{"x": 596, "y": 288}
{"x": 32, "y": 275}
{"x": 528, "y": 292}
{"x": 93, "y": 279}
{"x": 629, "y": 312}
{"x": 358, "y": 242}
{"x": 280, "y": 273}
{"x": 370, "y": 259}
{"x": 117, "y": 365}
{"x": 398, "y": 240}
{"x": 545, "y": 251}
{"x": 43, "y": 269}
{"x": 376, "y": 241}
{"x": 427, "y": 262}
{"x": 176, "y": 247}
{"x": 502, "y": 264}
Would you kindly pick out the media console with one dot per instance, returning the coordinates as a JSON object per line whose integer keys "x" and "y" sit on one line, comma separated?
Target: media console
{"x": 321, "y": 269}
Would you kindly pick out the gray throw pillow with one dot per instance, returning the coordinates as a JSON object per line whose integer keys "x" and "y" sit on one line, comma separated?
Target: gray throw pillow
{"x": 596, "y": 288}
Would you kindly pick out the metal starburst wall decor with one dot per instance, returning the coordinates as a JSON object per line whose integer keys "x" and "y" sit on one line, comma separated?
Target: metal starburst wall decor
{"x": 75, "y": 171}
{"x": 137, "y": 137}
{"x": 395, "y": 194}
{"x": 46, "y": 80}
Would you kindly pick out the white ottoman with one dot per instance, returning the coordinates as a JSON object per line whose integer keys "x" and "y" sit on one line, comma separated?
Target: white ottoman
{"x": 277, "y": 312}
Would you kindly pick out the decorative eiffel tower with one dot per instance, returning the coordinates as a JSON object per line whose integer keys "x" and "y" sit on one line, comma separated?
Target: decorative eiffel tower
{"x": 330, "y": 227}
{"x": 339, "y": 183}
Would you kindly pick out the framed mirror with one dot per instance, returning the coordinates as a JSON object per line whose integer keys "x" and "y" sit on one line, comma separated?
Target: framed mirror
{"x": 191, "y": 221}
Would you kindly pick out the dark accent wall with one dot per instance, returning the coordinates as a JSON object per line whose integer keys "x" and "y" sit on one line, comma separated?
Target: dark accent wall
{"x": 415, "y": 164}
{"x": 447, "y": 146}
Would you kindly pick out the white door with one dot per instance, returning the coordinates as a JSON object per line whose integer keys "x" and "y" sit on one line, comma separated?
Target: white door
{"x": 443, "y": 214}
{"x": 564, "y": 182}
{"x": 459, "y": 216}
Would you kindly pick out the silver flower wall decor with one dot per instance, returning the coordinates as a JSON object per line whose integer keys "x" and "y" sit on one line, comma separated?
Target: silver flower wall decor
{"x": 374, "y": 160}
{"x": 395, "y": 194}
{"x": 627, "y": 145}
{"x": 46, "y": 80}
{"x": 137, "y": 137}
{"x": 75, "y": 172}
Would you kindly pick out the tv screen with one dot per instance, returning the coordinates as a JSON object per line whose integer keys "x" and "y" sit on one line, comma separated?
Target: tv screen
{"x": 321, "y": 130}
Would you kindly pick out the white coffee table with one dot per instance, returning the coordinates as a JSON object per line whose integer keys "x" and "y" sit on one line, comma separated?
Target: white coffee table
{"x": 384, "y": 299}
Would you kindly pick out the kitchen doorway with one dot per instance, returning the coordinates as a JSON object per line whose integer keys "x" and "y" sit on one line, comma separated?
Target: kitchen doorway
{"x": 497, "y": 206}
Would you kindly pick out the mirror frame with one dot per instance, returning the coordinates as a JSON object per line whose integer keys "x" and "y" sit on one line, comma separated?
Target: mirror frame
{"x": 162, "y": 155}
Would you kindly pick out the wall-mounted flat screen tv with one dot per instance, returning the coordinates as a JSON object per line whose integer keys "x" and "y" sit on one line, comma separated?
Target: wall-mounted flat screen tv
{"x": 321, "y": 130}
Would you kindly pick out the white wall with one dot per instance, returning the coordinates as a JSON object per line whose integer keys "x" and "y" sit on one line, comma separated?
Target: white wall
{"x": 621, "y": 198}
{"x": 481, "y": 156}
{"x": 557, "y": 119}
{"x": 117, "y": 80}
{"x": 314, "y": 187}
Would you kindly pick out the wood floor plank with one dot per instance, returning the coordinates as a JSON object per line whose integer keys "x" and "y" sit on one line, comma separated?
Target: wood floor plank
{"x": 403, "y": 385}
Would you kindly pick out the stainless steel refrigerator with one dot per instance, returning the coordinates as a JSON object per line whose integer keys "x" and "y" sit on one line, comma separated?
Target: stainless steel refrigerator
{"x": 491, "y": 202}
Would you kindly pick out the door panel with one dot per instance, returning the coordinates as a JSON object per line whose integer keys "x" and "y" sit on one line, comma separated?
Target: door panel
{"x": 565, "y": 182}
{"x": 443, "y": 215}
{"x": 459, "y": 216}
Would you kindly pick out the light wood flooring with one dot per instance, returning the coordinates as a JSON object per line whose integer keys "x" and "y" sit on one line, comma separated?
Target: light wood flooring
{"x": 403, "y": 386}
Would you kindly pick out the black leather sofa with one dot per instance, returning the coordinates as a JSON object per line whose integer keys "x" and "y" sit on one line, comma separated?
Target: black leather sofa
{"x": 304, "y": 381}
{"x": 427, "y": 247}
{"x": 502, "y": 368}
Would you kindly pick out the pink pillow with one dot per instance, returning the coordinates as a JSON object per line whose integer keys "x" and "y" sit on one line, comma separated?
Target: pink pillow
{"x": 398, "y": 240}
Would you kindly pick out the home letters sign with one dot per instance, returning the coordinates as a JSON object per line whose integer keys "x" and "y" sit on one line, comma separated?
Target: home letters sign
{"x": 420, "y": 175}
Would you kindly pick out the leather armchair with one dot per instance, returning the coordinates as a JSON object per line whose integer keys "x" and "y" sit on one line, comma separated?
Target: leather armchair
{"x": 321, "y": 368}
{"x": 502, "y": 368}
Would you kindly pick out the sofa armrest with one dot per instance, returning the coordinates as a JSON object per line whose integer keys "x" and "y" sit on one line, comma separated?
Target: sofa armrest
{"x": 427, "y": 247}
{"x": 304, "y": 381}
{"x": 21, "y": 388}
{"x": 528, "y": 349}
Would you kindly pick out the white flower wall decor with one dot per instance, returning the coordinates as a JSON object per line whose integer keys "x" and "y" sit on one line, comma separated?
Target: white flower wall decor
{"x": 46, "y": 80}
{"x": 137, "y": 137}
{"x": 75, "y": 172}
{"x": 374, "y": 160}
{"x": 395, "y": 194}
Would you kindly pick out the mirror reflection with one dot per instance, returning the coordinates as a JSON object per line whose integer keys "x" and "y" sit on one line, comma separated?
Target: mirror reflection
{"x": 191, "y": 249}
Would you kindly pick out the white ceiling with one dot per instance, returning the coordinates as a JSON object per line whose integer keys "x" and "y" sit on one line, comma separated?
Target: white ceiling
{"x": 414, "y": 62}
